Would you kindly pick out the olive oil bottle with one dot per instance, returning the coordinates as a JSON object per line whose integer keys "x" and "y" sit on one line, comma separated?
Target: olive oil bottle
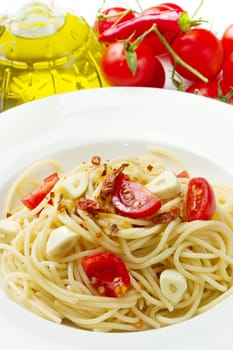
{"x": 45, "y": 52}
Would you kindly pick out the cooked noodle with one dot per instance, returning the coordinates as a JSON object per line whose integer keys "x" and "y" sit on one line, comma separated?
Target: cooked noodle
{"x": 59, "y": 289}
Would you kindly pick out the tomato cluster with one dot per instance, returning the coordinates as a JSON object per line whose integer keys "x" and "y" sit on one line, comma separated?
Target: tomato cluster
{"x": 137, "y": 43}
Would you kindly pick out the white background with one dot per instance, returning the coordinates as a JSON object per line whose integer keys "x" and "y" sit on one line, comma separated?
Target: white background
{"x": 219, "y": 14}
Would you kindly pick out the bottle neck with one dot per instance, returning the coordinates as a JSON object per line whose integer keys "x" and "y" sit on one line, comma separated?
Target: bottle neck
{"x": 35, "y": 19}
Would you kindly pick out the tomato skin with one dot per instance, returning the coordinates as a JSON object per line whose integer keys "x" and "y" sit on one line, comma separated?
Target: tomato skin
{"x": 202, "y": 50}
{"x": 211, "y": 89}
{"x": 156, "y": 45}
{"x": 114, "y": 16}
{"x": 152, "y": 40}
{"x": 227, "y": 40}
{"x": 116, "y": 71}
{"x": 33, "y": 199}
{"x": 132, "y": 199}
{"x": 227, "y": 71}
{"x": 158, "y": 79}
{"x": 107, "y": 273}
{"x": 201, "y": 202}
{"x": 162, "y": 7}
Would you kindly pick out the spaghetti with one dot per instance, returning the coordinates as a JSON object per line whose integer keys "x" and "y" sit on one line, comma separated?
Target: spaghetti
{"x": 196, "y": 255}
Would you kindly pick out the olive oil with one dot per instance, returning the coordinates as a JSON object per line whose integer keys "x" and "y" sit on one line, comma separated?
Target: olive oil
{"x": 44, "y": 53}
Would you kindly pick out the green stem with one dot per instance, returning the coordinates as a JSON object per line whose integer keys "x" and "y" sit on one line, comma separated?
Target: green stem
{"x": 120, "y": 15}
{"x": 221, "y": 97}
{"x": 123, "y": 14}
{"x": 197, "y": 9}
{"x": 185, "y": 22}
{"x": 177, "y": 81}
{"x": 139, "y": 6}
{"x": 177, "y": 59}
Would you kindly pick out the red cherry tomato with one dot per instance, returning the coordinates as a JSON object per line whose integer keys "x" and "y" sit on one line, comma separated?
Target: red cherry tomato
{"x": 132, "y": 199}
{"x": 202, "y": 50}
{"x": 112, "y": 16}
{"x": 213, "y": 88}
{"x": 156, "y": 45}
{"x": 159, "y": 77}
{"x": 33, "y": 199}
{"x": 227, "y": 71}
{"x": 227, "y": 40}
{"x": 201, "y": 203}
{"x": 116, "y": 71}
{"x": 165, "y": 6}
{"x": 107, "y": 273}
{"x": 152, "y": 40}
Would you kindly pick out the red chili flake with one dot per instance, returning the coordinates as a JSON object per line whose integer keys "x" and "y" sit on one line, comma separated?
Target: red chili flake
{"x": 105, "y": 170}
{"x": 114, "y": 229}
{"x": 88, "y": 205}
{"x": 149, "y": 167}
{"x": 61, "y": 207}
{"x": 67, "y": 212}
{"x": 96, "y": 160}
{"x": 167, "y": 216}
{"x": 109, "y": 182}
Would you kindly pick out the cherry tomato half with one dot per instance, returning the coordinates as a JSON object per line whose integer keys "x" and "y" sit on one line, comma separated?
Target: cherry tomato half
{"x": 227, "y": 40}
{"x": 132, "y": 199}
{"x": 33, "y": 199}
{"x": 111, "y": 17}
{"x": 116, "y": 71}
{"x": 107, "y": 273}
{"x": 215, "y": 89}
{"x": 201, "y": 203}
{"x": 202, "y": 50}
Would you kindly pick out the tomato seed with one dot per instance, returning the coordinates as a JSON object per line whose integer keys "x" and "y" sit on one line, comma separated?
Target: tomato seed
{"x": 116, "y": 279}
{"x": 101, "y": 290}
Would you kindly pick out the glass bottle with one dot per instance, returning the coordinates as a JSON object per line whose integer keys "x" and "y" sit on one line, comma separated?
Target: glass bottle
{"x": 46, "y": 51}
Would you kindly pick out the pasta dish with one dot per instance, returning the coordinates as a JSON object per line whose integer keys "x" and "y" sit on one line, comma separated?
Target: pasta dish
{"x": 127, "y": 244}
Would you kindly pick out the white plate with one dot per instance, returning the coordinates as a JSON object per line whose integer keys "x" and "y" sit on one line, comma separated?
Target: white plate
{"x": 119, "y": 117}
{"x": 110, "y": 122}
